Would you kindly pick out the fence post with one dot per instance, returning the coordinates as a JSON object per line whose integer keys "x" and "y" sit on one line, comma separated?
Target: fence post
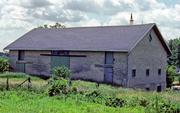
{"x": 29, "y": 82}
{"x": 7, "y": 83}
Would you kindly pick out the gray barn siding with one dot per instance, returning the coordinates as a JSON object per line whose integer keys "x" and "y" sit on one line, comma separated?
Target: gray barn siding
{"x": 84, "y": 67}
{"x": 40, "y": 65}
{"x": 81, "y": 67}
{"x": 120, "y": 69}
{"x": 147, "y": 55}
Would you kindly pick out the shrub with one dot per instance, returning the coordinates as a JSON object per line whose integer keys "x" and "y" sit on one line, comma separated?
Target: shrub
{"x": 95, "y": 93}
{"x": 171, "y": 73}
{"x": 168, "y": 107}
{"x": 143, "y": 102}
{"x": 115, "y": 102}
{"x": 61, "y": 72}
{"x": 4, "y": 64}
{"x": 58, "y": 87}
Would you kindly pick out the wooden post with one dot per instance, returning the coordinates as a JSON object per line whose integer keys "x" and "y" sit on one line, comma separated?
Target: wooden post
{"x": 29, "y": 83}
{"x": 97, "y": 84}
{"x": 7, "y": 84}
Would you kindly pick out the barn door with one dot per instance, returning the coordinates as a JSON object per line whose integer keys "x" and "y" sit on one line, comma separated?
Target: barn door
{"x": 20, "y": 67}
{"x": 60, "y": 61}
{"x": 108, "y": 68}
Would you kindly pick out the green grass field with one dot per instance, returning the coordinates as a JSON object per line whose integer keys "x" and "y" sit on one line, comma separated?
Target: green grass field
{"x": 36, "y": 99}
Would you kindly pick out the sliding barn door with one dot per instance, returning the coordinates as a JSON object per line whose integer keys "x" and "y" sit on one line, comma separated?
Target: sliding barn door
{"x": 60, "y": 61}
{"x": 108, "y": 67}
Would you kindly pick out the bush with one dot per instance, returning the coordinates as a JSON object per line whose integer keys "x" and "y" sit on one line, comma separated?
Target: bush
{"x": 168, "y": 107}
{"x": 61, "y": 72}
{"x": 171, "y": 73}
{"x": 4, "y": 65}
{"x": 115, "y": 102}
{"x": 95, "y": 93}
{"x": 58, "y": 87}
{"x": 143, "y": 102}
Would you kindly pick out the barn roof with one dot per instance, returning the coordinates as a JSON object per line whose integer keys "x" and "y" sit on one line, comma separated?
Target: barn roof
{"x": 103, "y": 38}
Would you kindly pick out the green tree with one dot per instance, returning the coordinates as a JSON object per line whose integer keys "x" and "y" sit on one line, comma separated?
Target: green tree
{"x": 4, "y": 64}
{"x": 178, "y": 56}
{"x": 56, "y": 25}
{"x": 174, "y": 45}
{"x": 171, "y": 73}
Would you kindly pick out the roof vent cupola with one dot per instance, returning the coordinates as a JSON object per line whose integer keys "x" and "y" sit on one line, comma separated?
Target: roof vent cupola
{"x": 131, "y": 20}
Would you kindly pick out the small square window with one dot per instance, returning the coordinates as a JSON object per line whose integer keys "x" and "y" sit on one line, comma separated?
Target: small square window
{"x": 159, "y": 71}
{"x": 147, "y": 72}
{"x": 133, "y": 73}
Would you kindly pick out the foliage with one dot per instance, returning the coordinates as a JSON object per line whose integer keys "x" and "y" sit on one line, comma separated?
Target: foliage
{"x": 174, "y": 45}
{"x": 61, "y": 72}
{"x": 105, "y": 98}
{"x": 58, "y": 87}
{"x": 4, "y": 64}
{"x": 115, "y": 102}
{"x": 143, "y": 102}
{"x": 171, "y": 73}
{"x": 56, "y": 25}
{"x": 13, "y": 75}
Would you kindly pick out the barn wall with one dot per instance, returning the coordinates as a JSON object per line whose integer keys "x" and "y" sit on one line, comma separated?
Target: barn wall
{"x": 120, "y": 69}
{"x": 38, "y": 64}
{"x": 147, "y": 55}
{"x": 85, "y": 67}
{"x": 81, "y": 67}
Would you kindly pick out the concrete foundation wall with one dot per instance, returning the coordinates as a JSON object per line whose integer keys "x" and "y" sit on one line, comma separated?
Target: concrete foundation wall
{"x": 147, "y": 55}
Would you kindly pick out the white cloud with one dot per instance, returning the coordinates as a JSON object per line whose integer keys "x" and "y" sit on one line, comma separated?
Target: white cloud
{"x": 19, "y": 16}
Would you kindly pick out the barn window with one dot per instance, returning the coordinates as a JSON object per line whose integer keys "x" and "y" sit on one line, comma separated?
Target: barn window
{"x": 147, "y": 72}
{"x": 133, "y": 73}
{"x": 58, "y": 52}
{"x": 150, "y": 38}
{"x": 20, "y": 55}
{"x": 159, "y": 71}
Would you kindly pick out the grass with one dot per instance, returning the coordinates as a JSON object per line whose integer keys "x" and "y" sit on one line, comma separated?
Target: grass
{"x": 21, "y": 102}
{"x": 36, "y": 100}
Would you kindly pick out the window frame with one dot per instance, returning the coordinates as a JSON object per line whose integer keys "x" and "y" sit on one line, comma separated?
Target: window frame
{"x": 159, "y": 72}
{"x": 147, "y": 72}
{"x": 133, "y": 73}
{"x": 21, "y": 54}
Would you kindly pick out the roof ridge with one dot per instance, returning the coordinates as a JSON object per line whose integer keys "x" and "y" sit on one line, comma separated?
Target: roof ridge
{"x": 100, "y": 26}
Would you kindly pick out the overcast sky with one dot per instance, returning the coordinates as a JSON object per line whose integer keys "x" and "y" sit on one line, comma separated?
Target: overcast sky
{"x": 19, "y": 16}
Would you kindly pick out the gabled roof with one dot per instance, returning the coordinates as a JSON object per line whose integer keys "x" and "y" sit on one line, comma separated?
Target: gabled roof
{"x": 105, "y": 38}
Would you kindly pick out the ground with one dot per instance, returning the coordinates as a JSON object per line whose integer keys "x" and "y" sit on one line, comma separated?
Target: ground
{"x": 36, "y": 100}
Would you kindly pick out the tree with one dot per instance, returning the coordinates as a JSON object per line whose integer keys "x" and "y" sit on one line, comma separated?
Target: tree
{"x": 4, "y": 64}
{"x": 56, "y": 25}
{"x": 173, "y": 44}
{"x": 171, "y": 73}
{"x": 178, "y": 56}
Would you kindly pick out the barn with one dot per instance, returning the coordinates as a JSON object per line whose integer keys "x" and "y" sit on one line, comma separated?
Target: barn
{"x": 132, "y": 56}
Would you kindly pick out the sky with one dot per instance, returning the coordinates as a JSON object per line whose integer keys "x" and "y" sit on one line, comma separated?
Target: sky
{"x": 17, "y": 17}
